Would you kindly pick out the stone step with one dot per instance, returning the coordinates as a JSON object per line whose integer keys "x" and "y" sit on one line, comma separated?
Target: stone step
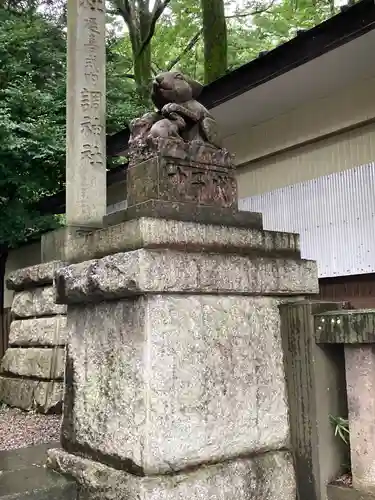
{"x": 23, "y": 476}
{"x": 36, "y": 483}
{"x": 24, "y": 458}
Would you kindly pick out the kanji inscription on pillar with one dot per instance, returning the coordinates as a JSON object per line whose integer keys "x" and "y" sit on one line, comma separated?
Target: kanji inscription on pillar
{"x": 86, "y": 164}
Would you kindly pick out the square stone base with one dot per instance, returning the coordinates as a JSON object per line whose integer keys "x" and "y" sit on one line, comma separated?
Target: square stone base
{"x": 269, "y": 476}
{"x": 168, "y": 382}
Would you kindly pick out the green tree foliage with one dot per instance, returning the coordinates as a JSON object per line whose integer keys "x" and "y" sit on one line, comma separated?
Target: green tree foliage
{"x": 32, "y": 108}
{"x": 32, "y": 117}
{"x": 192, "y": 38}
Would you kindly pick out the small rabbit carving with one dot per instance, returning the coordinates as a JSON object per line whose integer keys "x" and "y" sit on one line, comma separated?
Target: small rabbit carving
{"x": 179, "y": 113}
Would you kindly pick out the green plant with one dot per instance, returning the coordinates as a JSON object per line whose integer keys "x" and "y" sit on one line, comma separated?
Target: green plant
{"x": 341, "y": 426}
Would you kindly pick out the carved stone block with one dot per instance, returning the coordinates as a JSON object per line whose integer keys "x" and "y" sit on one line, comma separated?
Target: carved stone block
{"x": 179, "y": 180}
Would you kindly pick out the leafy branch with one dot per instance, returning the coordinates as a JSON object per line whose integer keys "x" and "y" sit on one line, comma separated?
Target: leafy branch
{"x": 254, "y": 12}
{"x": 157, "y": 11}
{"x": 341, "y": 426}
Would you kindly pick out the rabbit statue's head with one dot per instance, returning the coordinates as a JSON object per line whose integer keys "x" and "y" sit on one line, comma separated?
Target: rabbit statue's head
{"x": 173, "y": 86}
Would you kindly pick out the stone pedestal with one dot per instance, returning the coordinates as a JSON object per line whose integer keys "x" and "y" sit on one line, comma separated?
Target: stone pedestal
{"x": 175, "y": 383}
{"x": 32, "y": 369}
{"x": 175, "y": 378}
{"x": 360, "y": 380}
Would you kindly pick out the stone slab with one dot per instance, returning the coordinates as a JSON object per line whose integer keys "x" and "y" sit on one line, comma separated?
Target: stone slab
{"x": 23, "y": 458}
{"x": 189, "y": 236}
{"x": 335, "y": 492}
{"x": 355, "y": 326}
{"x": 152, "y": 271}
{"x": 36, "y": 483}
{"x": 30, "y": 277}
{"x": 266, "y": 477}
{"x": 44, "y": 331}
{"x": 188, "y": 212}
{"x": 42, "y": 363}
{"x": 27, "y": 394}
{"x": 36, "y": 302}
{"x": 166, "y": 382}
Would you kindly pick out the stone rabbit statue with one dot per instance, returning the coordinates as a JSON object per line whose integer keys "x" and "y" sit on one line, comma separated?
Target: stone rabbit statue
{"x": 179, "y": 114}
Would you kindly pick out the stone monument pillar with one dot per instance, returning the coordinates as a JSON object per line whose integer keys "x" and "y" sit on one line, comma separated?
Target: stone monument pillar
{"x": 175, "y": 384}
{"x": 86, "y": 175}
{"x": 86, "y": 155}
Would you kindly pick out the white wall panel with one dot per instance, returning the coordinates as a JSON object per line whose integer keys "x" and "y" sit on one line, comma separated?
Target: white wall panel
{"x": 334, "y": 214}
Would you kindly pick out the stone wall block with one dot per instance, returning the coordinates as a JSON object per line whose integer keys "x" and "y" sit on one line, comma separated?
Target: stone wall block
{"x": 36, "y": 302}
{"x": 143, "y": 271}
{"x": 43, "y": 331}
{"x": 30, "y": 277}
{"x": 29, "y": 394}
{"x": 168, "y": 382}
{"x": 42, "y": 363}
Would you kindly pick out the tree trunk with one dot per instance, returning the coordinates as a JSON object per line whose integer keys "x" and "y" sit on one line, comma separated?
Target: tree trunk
{"x": 138, "y": 32}
{"x": 142, "y": 71}
{"x": 214, "y": 39}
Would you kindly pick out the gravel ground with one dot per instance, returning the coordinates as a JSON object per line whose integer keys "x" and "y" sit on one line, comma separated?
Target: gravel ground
{"x": 19, "y": 429}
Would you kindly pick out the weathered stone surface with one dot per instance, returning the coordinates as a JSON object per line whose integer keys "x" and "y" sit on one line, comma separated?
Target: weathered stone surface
{"x": 152, "y": 271}
{"x": 54, "y": 244}
{"x": 315, "y": 378}
{"x": 29, "y": 277}
{"x": 360, "y": 382}
{"x": 48, "y": 331}
{"x": 36, "y": 483}
{"x": 36, "y": 302}
{"x": 86, "y": 182}
{"x": 36, "y": 362}
{"x": 29, "y": 394}
{"x": 160, "y": 233}
{"x": 266, "y": 477}
{"x": 22, "y": 458}
{"x": 335, "y": 492}
{"x": 187, "y": 212}
{"x": 345, "y": 327}
{"x": 182, "y": 150}
{"x": 181, "y": 180}
{"x": 173, "y": 381}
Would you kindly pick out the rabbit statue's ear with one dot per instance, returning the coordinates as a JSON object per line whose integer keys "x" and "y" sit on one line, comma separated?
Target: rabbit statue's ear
{"x": 196, "y": 87}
